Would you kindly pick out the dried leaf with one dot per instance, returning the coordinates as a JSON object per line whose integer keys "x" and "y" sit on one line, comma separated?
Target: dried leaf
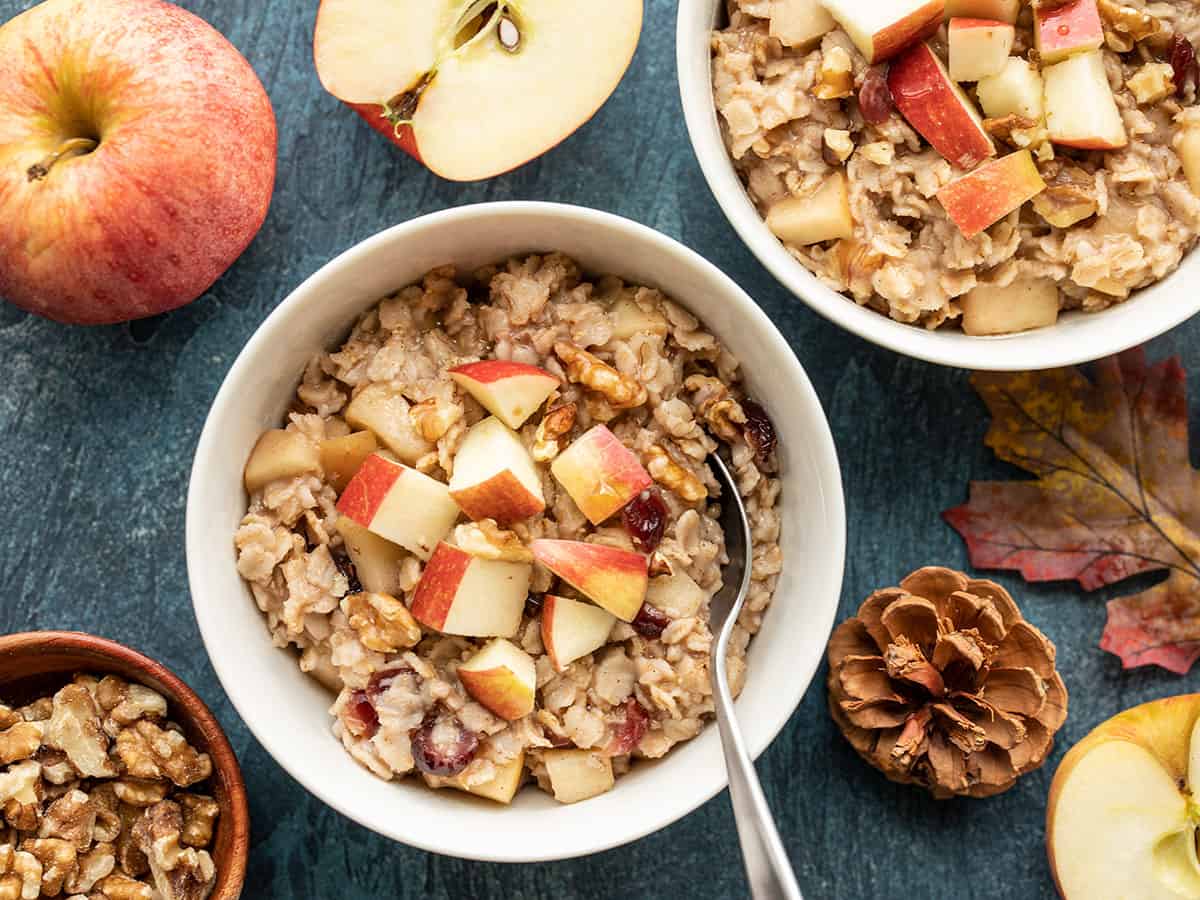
{"x": 1115, "y": 496}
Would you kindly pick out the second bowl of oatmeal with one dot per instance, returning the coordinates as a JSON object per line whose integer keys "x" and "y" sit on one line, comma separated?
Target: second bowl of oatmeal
{"x": 449, "y": 526}
{"x": 1110, "y": 226}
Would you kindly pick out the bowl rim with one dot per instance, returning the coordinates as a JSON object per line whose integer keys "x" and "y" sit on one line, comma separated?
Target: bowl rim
{"x": 195, "y": 710}
{"x": 1076, "y": 338}
{"x": 208, "y": 448}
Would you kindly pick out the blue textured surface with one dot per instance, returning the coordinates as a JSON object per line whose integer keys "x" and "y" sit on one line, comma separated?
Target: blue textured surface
{"x": 98, "y": 428}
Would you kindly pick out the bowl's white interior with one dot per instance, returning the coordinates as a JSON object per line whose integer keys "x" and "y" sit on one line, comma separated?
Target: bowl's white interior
{"x": 1077, "y": 337}
{"x": 288, "y": 712}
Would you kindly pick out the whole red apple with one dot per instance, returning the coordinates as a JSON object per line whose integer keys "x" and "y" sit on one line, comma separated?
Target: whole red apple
{"x": 137, "y": 158}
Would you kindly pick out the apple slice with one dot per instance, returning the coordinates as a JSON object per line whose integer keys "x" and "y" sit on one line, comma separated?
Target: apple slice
{"x": 1023, "y": 305}
{"x": 474, "y": 89}
{"x": 510, "y": 391}
{"x": 376, "y": 560}
{"x": 502, "y": 787}
{"x": 810, "y": 219}
{"x": 609, "y": 576}
{"x": 1187, "y": 146}
{"x": 501, "y": 677}
{"x": 1016, "y": 90}
{"x": 341, "y": 456}
{"x": 983, "y": 197}
{"x": 470, "y": 596}
{"x": 279, "y": 454}
{"x": 938, "y": 108}
{"x": 676, "y": 594}
{"x": 600, "y": 474}
{"x": 494, "y": 475}
{"x": 979, "y": 47}
{"x": 1080, "y": 108}
{"x": 1067, "y": 30}
{"x": 571, "y": 629}
{"x": 799, "y": 23}
{"x": 381, "y": 409}
{"x": 883, "y": 28}
{"x": 577, "y": 774}
{"x": 400, "y": 504}
{"x": 999, "y": 10}
{"x": 1120, "y": 819}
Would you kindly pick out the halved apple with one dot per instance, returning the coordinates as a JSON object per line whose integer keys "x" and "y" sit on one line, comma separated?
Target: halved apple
{"x": 279, "y": 454}
{"x": 501, "y": 677}
{"x": 341, "y": 456}
{"x": 609, "y": 576}
{"x": 501, "y": 787}
{"x": 571, "y": 629}
{"x": 799, "y": 23}
{"x": 473, "y": 88}
{"x": 398, "y": 503}
{"x": 383, "y": 410}
{"x": 882, "y": 28}
{"x": 979, "y": 47}
{"x": 1016, "y": 90}
{"x": 986, "y": 195}
{"x": 1024, "y": 304}
{"x": 376, "y": 560}
{"x": 577, "y": 774}
{"x": 1000, "y": 10}
{"x": 494, "y": 475}
{"x": 470, "y": 596}
{"x": 510, "y": 391}
{"x": 600, "y": 474}
{"x": 1067, "y": 29}
{"x": 1080, "y": 108}
{"x": 812, "y": 218}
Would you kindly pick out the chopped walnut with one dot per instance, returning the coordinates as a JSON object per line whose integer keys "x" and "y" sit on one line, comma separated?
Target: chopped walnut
{"x": 141, "y": 792}
{"x": 9, "y": 716}
{"x": 434, "y": 417}
{"x": 20, "y": 741}
{"x": 57, "y": 858}
{"x": 556, "y": 424}
{"x": 673, "y": 476}
{"x": 621, "y": 391}
{"x": 20, "y": 793}
{"x": 720, "y": 410}
{"x": 92, "y": 866}
{"x": 148, "y": 751}
{"x": 487, "y": 540}
{"x": 179, "y": 874}
{"x": 108, "y": 820}
{"x": 22, "y": 870}
{"x": 74, "y": 727}
{"x": 838, "y": 146}
{"x": 835, "y": 78}
{"x": 882, "y": 153}
{"x": 1017, "y": 131}
{"x": 124, "y": 703}
{"x": 72, "y": 817}
{"x": 129, "y": 855}
{"x": 1152, "y": 82}
{"x": 122, "y": 887}
{"x": 199, "y": 819}
{"x": 1069, "y": 197}
{"x": 383, "y": 623}
{"x": 56, "y": 768}
{"x": 1125, "y": 26}
{"x": 38, "y": 711}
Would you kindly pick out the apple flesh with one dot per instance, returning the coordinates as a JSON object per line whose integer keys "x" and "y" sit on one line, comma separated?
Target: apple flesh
{"x": 501, "y": 787}
{"x": 998, "y": 10}
{"x": 510, "y": 391}
{"x": 676, "y": 594}
{"x": 494, "y": 475}
{"x": 982, "y": 197}
{"x": 822, "y": 216}
{"x": 469, "y": 596}
{"x": 399, "y": 504}
{"x": 938, "y": 108}
{"x": 1064, "y": 31}
{"x": 1016, "y": 90}
{"x": 502, "y": 678}
{"x": 383, "y": 410}
{"x": 979, "y": 48}
{"x": 376, "y": 560}
{"x": 342, "y": 456}
{"x": 1080, "y": 108}
{"x": 608, "y": 576}
{"x": 571, "y": 629}
{"x": 1187, "y": 146}
{"x": 600, "y": 474}
{"x": 471, "y": 97}
{"x": 1023, "y": 305}
{"x": 799, "y": 23}
{"x": 883, "y": 28}
{"x": 1121, "y": 818}
{"x": 279, "y": 454}
{"x": 577, "y": 774}
{"x": 629, "y": 319}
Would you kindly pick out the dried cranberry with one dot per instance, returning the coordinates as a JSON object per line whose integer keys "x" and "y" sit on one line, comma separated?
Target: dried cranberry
{"x": 875, "y": 97}
{"x": 443, "y": 747}
{"x": 384, "y": 678}
{"x": 650, "y": 622}
{"x": 760, "y": 433}
{"x": 1184, "y": 68}
{"x": 346, "y": 567}
{"x": 361, "y": 717}
{"x": 629, "y": 733}
{"x": 645, "y": 518}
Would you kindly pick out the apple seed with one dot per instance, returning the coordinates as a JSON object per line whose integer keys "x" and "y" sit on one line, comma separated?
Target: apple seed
{"x": 509, "y": 34}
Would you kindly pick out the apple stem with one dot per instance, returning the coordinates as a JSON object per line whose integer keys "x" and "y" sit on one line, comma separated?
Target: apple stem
{"x": 66, "y": 150}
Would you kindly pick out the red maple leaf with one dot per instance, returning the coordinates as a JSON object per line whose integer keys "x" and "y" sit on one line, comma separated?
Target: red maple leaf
{"x": 1115, "y": 495}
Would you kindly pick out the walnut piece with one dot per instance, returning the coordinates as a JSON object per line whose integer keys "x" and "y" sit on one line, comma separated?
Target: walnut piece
{"x": 94, "y": 865}
{"x": 57, "y": 858}
{"x": 199, "y": 819}
{"x": 620, "y": 391}
{"x": 72, "y": 817}
{"x": 552, "y": 431}
{"x": 74, "y": 727}
{"x": 178, "y": 873}
{"x": 39, "y": 710}
{"x": 56, "y": 768}
{"x": 9, "y": 716}
{"x": 141, "y": 792}
{"x": 434, "y": 417}
{"x": 122, "y": 887}
{"x": 1152, "y": 82}
{"x": 1069, "y": 197}
{"x": 148, "y": 751}
{"x": 20, "y": 741}
{"x": 124, "y": 703}
{"x": 383, "y": 623}
{"x": 22, "y": 871}
{"x": 1017, "y": 131}
{"x": 673, "y": 476}
{"x": 718, "y": 407}
{"x": 1125, "y": 26}
{"x": 835, "y": 79}
{"x": 20, "y": 789}
{"x": 839, "y": 144}
{"x": 487, "y": 540}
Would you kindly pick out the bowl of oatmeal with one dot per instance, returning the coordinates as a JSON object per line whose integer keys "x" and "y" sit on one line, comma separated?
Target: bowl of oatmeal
{"x": 451, "y": 536}
{"x": 971, "y": 183}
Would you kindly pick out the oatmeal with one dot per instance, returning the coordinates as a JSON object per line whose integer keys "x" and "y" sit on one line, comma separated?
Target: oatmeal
{"x": 987, "y": 178}
{"x": 488, "y": 526}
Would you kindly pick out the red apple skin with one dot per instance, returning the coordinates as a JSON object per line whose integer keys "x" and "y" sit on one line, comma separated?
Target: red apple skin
{"x": 161, "y": 208}
{"x": 610, "y": 576}
{"x": 368, "y": 488}
{"x": 501, "y": 701}
{"x": 1074, "y": 27}
{"x": 439, "y": 584}
{"x": 890, "y": 42}
{"x": 985, "y": 196}
{"x": 502, "y": 497}
{"x": 490, "y": 370}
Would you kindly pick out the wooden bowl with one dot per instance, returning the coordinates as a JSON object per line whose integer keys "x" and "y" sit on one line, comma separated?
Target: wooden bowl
{"x": 36, "y": 663}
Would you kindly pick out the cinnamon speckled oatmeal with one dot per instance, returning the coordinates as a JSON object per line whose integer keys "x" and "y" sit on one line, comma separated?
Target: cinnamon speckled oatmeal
{"x": 354, "y": 604}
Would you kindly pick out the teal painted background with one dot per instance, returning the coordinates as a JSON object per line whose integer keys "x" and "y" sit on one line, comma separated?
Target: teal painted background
{"x": 97, "y": 430}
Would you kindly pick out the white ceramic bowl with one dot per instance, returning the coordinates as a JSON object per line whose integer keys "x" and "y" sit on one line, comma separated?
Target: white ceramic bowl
{"x": 1077, "y": 337}
{"x": 288, "y": 712}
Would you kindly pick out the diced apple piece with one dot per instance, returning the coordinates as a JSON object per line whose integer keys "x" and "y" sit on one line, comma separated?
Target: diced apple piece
{"x": 609, "y": 576}
{"x": 979, "y": 48}
{"x": 1022, "y": 305}
{"x": 502, "y": 678}
{"x": 1187, "y": 145}
{"x": 400, "y": 504}
{"x": 571, "y": 629}
{"x": 822, "y": 216}
{"x": 799, "y": 23}
{"x": 600, "y": 474}
{"x": 502, "y": 787}
{"x": 280, "y": 454}
{"x": 376, "y": 560}
{"x": 510, "y": 391}
{"x": 1016, "y": 90}
{"x": 341, "y": 456}
{"x": 882, "y": 28}
{"x": 577, "y": 774}
{"x": 470, "y": 596}
{"x": 629, "y": 319}
{"x": 384, "y": 411}
{"x": 983, "y": 197}
{"x": 1000, "y": 10}
{"x": 1067, "y": 30}
{"x": 494, "y": 475}
{"x": 938, "y": 108}
{"x": 676, "y": 594}
{"x": 1080, "y": 108}
{"x": 1152, "y": 83}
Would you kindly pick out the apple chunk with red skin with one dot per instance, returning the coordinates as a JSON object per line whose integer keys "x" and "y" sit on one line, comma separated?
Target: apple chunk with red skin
{"x": 510, "y": 391}
{"x": 572, "y": 629}
{"x": 999, "y": 10}
{"x": 494, "y": 475}
{"x": 137, "y": 158}
{"x": 979, "y": 48}
{"x": 600, "y": 473}
{"x": 882, "y": 28}
{"x": 1063, "y": 31}
{"x": 502, "y": 678}
{"x": 400, "y": 504}
{"x": 938, "y": 108}
{"x": 985, "y": 196}
{"x": 608, "y": 576}
{"x": 470, "y": 596}
{"x": 472, "y": 96}
{"x": 1080, "y": 108}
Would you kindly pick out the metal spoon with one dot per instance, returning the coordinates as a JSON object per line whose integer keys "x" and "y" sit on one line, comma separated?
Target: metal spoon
{"x": 767, "y": 867}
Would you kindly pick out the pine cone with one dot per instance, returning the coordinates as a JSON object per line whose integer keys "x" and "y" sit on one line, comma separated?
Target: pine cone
{"x": 940, "y": 682}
